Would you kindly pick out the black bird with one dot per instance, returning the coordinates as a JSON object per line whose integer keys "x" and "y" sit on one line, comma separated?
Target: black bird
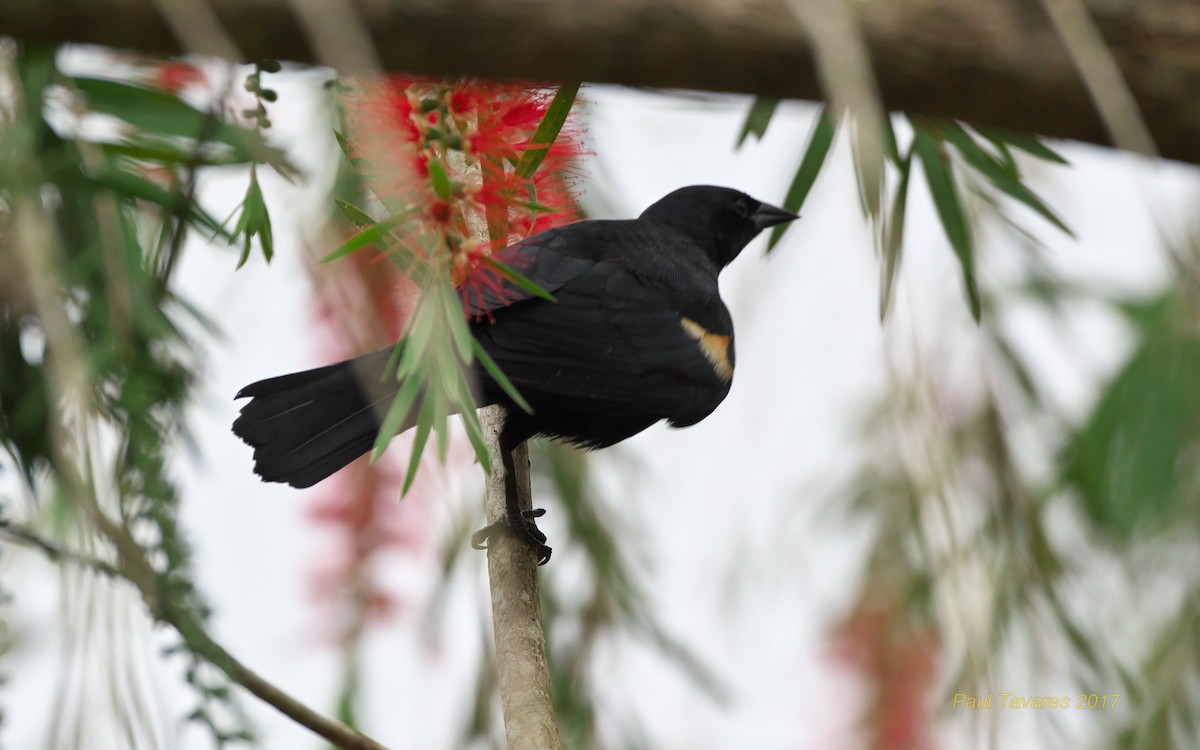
{"x": 638, "y": 333}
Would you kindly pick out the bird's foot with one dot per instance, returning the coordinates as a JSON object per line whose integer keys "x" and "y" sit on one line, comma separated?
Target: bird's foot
{"x": 522, "y": 526}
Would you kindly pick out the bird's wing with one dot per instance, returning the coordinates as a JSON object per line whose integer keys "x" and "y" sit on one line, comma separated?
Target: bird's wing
{"x": 549, "y": 260}
{"x": 612, "y": 342}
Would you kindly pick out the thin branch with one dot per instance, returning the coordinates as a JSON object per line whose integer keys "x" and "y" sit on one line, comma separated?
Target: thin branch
{"x": 136, "y": 569}
{"x": 30, "y": 538}
{"x": 521, "y": 666}
{"x": 335, "y": 732}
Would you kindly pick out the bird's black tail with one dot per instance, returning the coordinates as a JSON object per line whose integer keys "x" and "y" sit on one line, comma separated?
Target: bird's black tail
{"x": 307, "y": 425}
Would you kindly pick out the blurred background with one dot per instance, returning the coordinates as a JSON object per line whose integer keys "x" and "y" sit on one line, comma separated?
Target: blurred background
{"x": 985, "y": 485}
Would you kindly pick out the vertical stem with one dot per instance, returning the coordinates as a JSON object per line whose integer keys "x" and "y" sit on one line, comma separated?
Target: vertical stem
{"x": 517, "y": 608}
{"x": 1102, "y": 76}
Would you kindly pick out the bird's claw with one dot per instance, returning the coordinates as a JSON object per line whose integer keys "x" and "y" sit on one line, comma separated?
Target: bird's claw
{"x": 523, "y": 527}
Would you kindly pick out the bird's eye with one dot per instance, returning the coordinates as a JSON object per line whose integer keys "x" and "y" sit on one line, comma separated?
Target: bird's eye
{"x": 742, "y": 208}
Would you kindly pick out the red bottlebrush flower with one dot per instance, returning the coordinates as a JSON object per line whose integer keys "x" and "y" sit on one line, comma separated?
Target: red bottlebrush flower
{"x": 441, "y": 212}
{"x": 461, "y": 101}
{"x": 177, "y": 76}
{"x": 441, "y": 154}
{"x": 422, "y": 165}
{"x": 526, "y": 114}
{"x": 475, "y": 132}
{"x": 897, "y": 659}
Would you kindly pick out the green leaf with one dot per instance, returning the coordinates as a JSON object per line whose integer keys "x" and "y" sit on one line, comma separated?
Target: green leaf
{"x": 354, "y": 214}
{"x": 418, "y": 335}
{"x": 160, "y": 112}
{"x": 894, "y": 238}
{"x": 535, "y": 207}
{"x": 1031, "y": 145}
{"x": 1016, "y": 366}
{"x": 254, "y": 221}
{"x": 519, "y": 279}
{"x": 470, "y": 420}
{"x": 501, "y": 379}
{"x": 369, "y": 236}
{"x": 547, "y": 130}
{"x": 129, "y": 185}
{"x": 441, "y": 414}
{"x": 424, "y": 426}
{"x": 402, "y": 405}
{"x": 149, "y": 109}
{"x": 145, "y": 149}
{"x": 997, "y": 173}
{"x": 392, "y": 368}
{"x": 944, "y": 192}
{"x": 1134, "y": 462}
{"x": 1007, "y": 160}
{"x": 890, "y": 145}
{"x": 456, "y": 320}
{"x": 347, "y": 151}
{"x": 442, "y": 187}
{"x": 757, "y": 119}
{"x": 266, "y": 237}
{"x": 868, "y": 153}
{"x": 819, "y": 143}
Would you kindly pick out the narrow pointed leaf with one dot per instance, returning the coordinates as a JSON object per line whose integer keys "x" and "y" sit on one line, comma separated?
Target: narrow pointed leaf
{"x": 266, "y": 237}
{"x": 1017, "y": 367}
{"x": 894, "y": 241}
{"x": 519, "y": 279}
{"x": 869, "y": 154}
{"x": 369, "y": 236}
{"x": 164, "y": 113}
{"x": 441, "y": 414}
{"x": 944, "y": 192}
{"x": 890, "y": 144}
{"x": 810, "y": 167}
{"x": 424, "y": 426}
{"x": 532, "y": 206}
{"x": 401, "y": 406}
{"x": 393, "y": 363}
{"x": 470, "y": 420}
{"x": 757, "y": 119}
{"x": 128, "y": 185}
{"x": 254, "y": 221}
{"x": 457, "y": 322}
{"x": 1006, "y": 158}
{"x": 344, "y": 145}
{"x": 144, "y": 148}
{"x": 547, "y": 130}
{"x": 501, "y": 379}
{"x": 1031, "y": 145}
{"x": 442, "y": 187}
{"x": 997, "y": 174}
{"x": 418, "y": 337}
{"x": 354, "y": 214}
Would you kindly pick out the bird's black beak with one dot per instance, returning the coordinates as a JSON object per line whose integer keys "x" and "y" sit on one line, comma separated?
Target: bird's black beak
{"x": 768, "y": 216}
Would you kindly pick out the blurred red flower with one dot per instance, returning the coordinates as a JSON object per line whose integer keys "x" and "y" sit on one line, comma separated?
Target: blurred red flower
{"x": 177, "y": 76}
{"x": 897, "y": 659}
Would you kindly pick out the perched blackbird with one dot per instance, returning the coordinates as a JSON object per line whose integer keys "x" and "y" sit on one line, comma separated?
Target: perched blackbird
{"x": 638, "y": 333}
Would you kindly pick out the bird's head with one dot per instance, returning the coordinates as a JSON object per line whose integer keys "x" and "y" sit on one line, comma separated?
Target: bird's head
{"x": 721, "y": 219}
